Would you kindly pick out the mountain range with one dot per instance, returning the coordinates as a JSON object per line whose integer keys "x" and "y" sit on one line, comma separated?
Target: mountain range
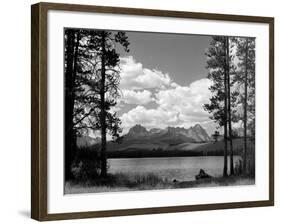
{"x": 193, "y": 134}
{"x": 169, "y": 135}
{"x": 170, "y": 141}
{"x": 139, "y": 139}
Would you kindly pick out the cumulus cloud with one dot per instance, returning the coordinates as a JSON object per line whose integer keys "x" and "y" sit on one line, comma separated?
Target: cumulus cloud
{"x": 181, "y": 106}
{"x": 135, "y": 77}
{"x": 136, "y": 97}
{"x": 150, "y": 118}
{"x": 186, "y": 100}
{"x": 174, "y": 104}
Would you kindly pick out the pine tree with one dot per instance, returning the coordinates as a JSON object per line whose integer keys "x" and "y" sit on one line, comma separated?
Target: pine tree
{"x": 72, "y": 39}
{"x": 217, "y": 65}
{"x": 216, "y": 135}
{"x": 91, "y": 88}
{"x": 229, "y": 100}
{"x": 104, "y": 83}
{"x": 245, "y": 79}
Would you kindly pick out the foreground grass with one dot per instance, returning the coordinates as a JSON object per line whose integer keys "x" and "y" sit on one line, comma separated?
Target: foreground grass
{"x": 133, "y": 182}
{"x": 118, "y": 182}
{"x": 217, "y": 181}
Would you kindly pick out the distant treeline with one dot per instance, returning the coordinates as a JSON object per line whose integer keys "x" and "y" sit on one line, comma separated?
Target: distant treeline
{"x": 162, "y": 153}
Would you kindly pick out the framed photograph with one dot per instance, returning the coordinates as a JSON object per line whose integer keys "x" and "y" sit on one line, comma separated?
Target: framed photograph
{"x": 138, "y": 111}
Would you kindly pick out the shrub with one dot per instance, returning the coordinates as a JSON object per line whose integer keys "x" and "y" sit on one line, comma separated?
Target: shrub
{"x": 238, "y": 167}
{"x": 86, "y": 165}
{"x": 250, "y": 163}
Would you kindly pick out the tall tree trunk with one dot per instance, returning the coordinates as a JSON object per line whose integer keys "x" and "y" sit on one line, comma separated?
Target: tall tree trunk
{"x": 74, "y": 75}
{"x": 229, "y": 108}
{"x": 245, "y": 109}
{"x": 69, "y": 105}
{"x": 225, "y": 119}
{"x": 103, "y": 112}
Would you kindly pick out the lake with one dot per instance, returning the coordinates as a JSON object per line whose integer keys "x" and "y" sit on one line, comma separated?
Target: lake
{"x": 179, "y": 168}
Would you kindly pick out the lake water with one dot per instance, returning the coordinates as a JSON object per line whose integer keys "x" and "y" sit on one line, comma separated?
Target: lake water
{"x": 180, "y": 168}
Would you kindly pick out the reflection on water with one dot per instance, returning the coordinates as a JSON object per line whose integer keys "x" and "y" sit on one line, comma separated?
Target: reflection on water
{"x": 180, "y": 168}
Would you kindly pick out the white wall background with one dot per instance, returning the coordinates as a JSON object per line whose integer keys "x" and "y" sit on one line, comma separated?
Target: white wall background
{"x": 15, "y": 111}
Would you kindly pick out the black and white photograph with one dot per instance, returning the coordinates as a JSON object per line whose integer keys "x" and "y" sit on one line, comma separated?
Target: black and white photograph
{"x": 154, "y": 111}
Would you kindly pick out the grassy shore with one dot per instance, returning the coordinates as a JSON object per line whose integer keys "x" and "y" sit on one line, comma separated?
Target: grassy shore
{"x": 135, "y": 182}
{"x": 217, "y": 181}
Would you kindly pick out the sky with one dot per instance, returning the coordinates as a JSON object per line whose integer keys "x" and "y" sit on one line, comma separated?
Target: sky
{"x": 163, "y": 81}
